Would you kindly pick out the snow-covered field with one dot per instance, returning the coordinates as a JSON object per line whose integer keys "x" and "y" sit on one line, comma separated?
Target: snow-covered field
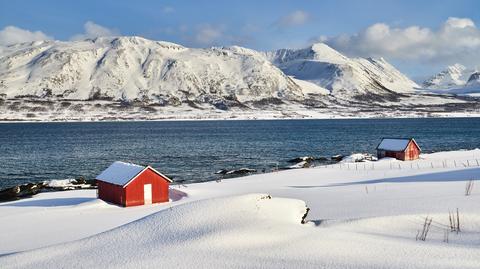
{"x": 362, "y": 215}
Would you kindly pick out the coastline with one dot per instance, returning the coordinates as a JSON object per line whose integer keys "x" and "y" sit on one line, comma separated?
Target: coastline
{"x": 253, "y": 117}
{"x": 379, "y": 209}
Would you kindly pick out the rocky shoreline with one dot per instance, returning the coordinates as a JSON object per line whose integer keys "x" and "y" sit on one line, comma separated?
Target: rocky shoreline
{"x": 29, "y": 189}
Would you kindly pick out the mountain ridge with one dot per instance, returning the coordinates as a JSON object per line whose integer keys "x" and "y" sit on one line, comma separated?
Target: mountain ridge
{"x": 107, "y": 76}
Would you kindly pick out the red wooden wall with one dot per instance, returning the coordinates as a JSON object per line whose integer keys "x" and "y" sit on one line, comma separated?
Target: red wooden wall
{"x": 412, "y": 151}
{"x": 134, "y": 190}
{"x": 111, "y": 193}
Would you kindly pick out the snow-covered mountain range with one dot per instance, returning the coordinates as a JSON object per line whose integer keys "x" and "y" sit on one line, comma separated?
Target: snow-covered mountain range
{"x": 108, "y": 76}
{"x": 455, "y": 79}
{"x": 137, "y": 69}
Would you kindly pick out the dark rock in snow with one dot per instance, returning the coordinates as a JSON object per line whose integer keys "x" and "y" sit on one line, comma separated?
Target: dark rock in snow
{"x": 302, "y": 164}
{"x": 80, "y": 180}
{"x": 9, "y": 194}
{"x": 337, "y": 157}
{"x": 221, "y": 172}
{"x": 301, "y": 159}
{"x": 241, "y": 171}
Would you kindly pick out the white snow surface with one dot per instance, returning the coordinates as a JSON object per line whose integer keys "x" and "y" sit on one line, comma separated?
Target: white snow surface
{"x": 357, "y": 157}
{"x": 394, "y": 144}
{"x": 59, "y": 182}
{"x": 120, "y": 173}
{"x": 362, "y": 217}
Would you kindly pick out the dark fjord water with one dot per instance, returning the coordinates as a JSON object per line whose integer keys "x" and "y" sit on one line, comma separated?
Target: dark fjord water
{"x": 193, "y": 151}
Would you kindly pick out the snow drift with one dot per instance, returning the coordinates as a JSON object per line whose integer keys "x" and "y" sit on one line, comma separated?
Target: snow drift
{"x": 223, "y": 226}
{"x": 361, "y": 217}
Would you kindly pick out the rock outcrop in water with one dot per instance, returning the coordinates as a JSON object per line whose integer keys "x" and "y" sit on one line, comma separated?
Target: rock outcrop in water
{"x": 241, "y": 171}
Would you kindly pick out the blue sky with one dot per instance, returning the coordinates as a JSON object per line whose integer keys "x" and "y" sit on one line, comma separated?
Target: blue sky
{"x": 262, "y": 25}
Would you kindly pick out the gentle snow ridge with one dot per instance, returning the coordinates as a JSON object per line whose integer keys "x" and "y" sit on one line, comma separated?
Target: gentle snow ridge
{"x": 362, "y": 215}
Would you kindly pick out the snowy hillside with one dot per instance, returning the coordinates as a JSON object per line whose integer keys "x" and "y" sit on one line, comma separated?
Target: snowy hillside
{"x": 342, "y": 76}
{"x": 474, "y": 80}
{"x": 455, "y": 79}
{"x": 137, "y": 69}
{"x": 453, "y": 76}
{"x": 362, "y": 215}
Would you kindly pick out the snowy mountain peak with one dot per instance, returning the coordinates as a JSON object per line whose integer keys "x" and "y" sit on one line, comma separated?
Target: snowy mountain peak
{"x": 474, "y": 80}
{"x": 453, "y": 76}
{"x": 342, "y": 76}
{"x": 315, "y": 52}
{"x": 456, "y": 69}
{"x": 323, "y": 52}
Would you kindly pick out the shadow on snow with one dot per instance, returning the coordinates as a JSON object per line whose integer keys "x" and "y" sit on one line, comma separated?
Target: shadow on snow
{"x": 449, "y": 176}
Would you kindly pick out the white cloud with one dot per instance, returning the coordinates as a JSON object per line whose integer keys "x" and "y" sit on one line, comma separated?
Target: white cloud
{"x": 206, "y": 35}
{"x": 296, "y": 18}
{"x": 167, "y": 9}
{"x": 209, "y": 35}
{"x": 93, "y": 30}
{"x": 456, "y": 40}
{"x": 12, "y": 35}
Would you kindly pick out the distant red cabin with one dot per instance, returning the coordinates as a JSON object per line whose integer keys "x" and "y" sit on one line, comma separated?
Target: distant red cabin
{"x": 129, "y": 184}
{"x": 404, "y": 149}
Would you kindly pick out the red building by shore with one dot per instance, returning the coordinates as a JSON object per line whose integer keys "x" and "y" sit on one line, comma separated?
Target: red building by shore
{"x": 404, "y": 149}
{"x": 129, "y": 184}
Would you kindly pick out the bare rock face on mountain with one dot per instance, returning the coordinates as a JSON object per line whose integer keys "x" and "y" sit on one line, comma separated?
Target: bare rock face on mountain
{"x": 137, "y": 69}
{"x": 474, "y": 80}
{"x": 342, "y": 76}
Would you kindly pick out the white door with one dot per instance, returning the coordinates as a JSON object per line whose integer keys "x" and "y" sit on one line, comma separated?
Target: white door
{"x": 147, "y": 194}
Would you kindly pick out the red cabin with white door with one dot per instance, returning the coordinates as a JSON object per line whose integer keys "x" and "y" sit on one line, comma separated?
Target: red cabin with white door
{"x": 399, "y": 148}
{"x": 128, "y": 184}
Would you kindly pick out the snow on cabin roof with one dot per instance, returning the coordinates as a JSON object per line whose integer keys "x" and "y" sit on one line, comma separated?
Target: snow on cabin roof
{"x": 394, "y": 144}
{"x": 120, "y": 173}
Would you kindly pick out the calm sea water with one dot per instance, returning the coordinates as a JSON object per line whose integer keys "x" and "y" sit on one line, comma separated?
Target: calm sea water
{"x": 193, "y": 150}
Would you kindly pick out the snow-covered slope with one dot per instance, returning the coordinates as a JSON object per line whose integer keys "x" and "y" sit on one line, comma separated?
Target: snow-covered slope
{"x": 453, "y": 76}
{"x": 474, "y": 80}
{"x": 342, "y": 76}
{"x": 365, "y": 216}
{"x": 129, "y": 78}
{"x": 137, "y": 69}
{"x": 455, "y": 79}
